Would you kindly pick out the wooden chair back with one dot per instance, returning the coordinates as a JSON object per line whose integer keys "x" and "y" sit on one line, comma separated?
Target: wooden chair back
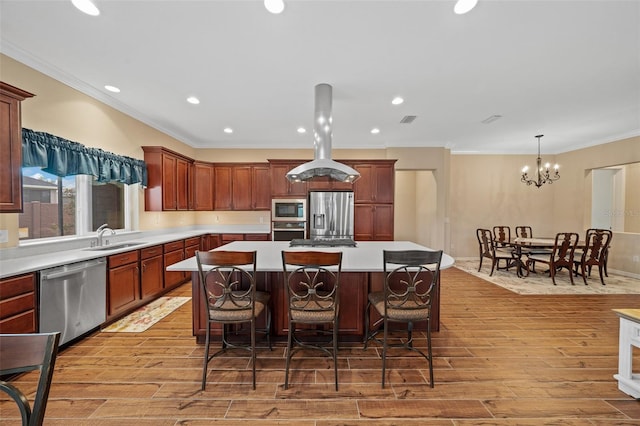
{"x": 502, "y": 235}
{"x": 524, "y": 232}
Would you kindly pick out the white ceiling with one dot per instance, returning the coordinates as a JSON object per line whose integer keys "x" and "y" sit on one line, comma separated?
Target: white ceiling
{"x": 568, "y": 69}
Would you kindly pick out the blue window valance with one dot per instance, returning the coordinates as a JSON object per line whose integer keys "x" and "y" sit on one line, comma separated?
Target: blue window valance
{"x": 62, "y": 158}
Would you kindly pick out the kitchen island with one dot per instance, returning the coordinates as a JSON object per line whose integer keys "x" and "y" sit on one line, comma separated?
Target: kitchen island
{"x": 362, "y": 272}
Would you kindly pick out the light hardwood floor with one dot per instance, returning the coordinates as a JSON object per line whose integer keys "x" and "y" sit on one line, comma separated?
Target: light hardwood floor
{"x": 500, "y": 358}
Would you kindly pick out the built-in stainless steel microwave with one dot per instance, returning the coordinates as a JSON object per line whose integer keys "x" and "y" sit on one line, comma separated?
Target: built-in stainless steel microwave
{"x": 289, "y": 209}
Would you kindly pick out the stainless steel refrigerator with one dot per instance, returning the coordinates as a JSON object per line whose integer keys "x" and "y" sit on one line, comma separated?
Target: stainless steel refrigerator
{"x": 330, "y": 214}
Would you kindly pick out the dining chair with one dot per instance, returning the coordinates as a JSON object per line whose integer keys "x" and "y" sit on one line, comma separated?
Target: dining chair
{"x": 312, "y": 282}
{"x": 524, "y": 232}
{"x": 411, "y": 279}
{"x": 593, "y": 254}
{"x": 561, "y": 255}
{"x": 21, "y": 353}
{"x": 229, "y": 287}
{"x": 490, "y": 250}
{"x": 502, "y": 236}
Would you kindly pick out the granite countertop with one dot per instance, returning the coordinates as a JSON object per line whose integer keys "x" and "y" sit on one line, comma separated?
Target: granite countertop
{"x": 43, "y": 256}
{"x": 365, "y": 257}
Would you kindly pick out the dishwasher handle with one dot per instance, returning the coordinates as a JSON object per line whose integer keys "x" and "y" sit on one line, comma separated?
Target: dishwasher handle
{"x": 70, "y": 271}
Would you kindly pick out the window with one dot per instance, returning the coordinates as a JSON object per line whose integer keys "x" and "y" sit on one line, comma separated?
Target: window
{"x": 74, "y": 205}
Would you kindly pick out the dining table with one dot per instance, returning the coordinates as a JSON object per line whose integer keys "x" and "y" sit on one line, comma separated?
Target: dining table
{"x": 530, "y": 245}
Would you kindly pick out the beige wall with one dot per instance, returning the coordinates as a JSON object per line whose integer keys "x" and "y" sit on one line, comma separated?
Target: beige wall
{"x": 464, "y": 191}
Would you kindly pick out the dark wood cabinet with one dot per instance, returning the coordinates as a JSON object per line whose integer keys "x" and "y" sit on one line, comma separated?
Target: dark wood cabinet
{"x": 376, "y": 183}
{"x": 151, "y": 272}
{"x": 203, "y": 183}
{"x": 18, "y": 304}
{"x": 280, "y": 185}
{"x": 168, "y": 176}
{"x": 123, "y": 283}
{"x": 173, "y": 253}
{"x": 11, "y": 147}
{"x": 260, "y": 187}
{"x": 242, "y": 187}
{"x": 373, "y": 222}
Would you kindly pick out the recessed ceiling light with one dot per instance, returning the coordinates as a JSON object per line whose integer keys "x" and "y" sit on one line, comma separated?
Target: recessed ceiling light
{"x": 464, "y": 6}
{"x": 86, "y": 6}
{"x": 397, "y": 100}
{"x": 193, "y": 100}
{"x": 274, "y": 6}
{"x": 113, "y": 89}
{"x": 302, "y": 130}
{"x": 375, "y": 131}
{"x": 228, "y": 130}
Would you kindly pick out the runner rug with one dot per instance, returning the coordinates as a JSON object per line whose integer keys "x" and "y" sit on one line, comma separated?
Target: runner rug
{"x": 146, "y": 316}
{"x": 541, "y": 283}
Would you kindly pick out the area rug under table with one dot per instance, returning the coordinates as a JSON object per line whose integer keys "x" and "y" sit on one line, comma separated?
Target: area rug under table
{"x": 146, "y": 316}
{"x": 540, "y": 283}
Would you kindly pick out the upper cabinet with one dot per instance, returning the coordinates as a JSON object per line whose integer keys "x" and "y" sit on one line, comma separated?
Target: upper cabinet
{"x": 376, "y": 183}
{"x": 280, "y": 185}
{"x": 168, "y": 175}
{"x": 242, "y": 186}
{"x": 11, "y": 148}
{"x": 202, "y": 186}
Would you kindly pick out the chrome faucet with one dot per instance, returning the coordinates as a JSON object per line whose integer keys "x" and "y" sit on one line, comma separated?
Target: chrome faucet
{"x": 101, "y": 230}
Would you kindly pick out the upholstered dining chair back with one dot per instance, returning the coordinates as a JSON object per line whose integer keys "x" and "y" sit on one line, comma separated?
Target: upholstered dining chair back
{"x": 22, "y": 353}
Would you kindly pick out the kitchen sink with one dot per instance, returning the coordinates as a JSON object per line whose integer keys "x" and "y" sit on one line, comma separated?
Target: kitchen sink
{"x": 115, "y": 246}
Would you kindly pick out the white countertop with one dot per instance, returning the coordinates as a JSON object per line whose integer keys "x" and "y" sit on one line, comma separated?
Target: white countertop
{"x": 366, "y": 257}
{"x": 56, "y": 254}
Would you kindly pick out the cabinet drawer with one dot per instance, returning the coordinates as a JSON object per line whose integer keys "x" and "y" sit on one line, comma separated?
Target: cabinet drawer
{"x": 123, "y": 258}
{"x": 21, "y": 323}
{"x": 15, "y": 305}
{"x": 232, "y": 237}
{"x": 194, "y": 241}
{"x": 257, "y": 237}
{"x": 14, "y": 286}
{"x": 174, "y": 245}
{"x": 148, "y": 252}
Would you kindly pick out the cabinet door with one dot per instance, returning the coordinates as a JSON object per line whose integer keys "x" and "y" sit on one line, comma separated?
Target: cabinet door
{"x": 363, "y": 222}
{"x": 363, "y": 188}
{"x": 384, "y": 183}
{"x": 261, "y": 188}
{"x": 383, "y": 222}
{"x": 123, "y": 289}
{"x": 376, "y": 183}
{"x": 241, "y": 187}
{"x": 203, "y": 186}
{"x": 173, "y": 278}
{"x": 151, "y": 277}
{"x": 223, "y": 188}
{"x": 11, "y": 148}
{"x": 280, "y": 185}
{"x": 182, "y": 184}
{"x": 169, "y": 185}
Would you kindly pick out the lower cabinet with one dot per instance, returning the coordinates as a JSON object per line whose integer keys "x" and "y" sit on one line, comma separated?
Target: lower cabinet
{"x": 151, "y": 272}
{"x": 373, "y": 222}
{"x": 173, "y": 253}
{"x": 123, "y": 283}
{"x": 18, "y": 304}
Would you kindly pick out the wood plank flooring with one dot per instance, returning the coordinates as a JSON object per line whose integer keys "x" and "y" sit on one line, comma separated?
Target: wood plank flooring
{"x": 500, "y": 359}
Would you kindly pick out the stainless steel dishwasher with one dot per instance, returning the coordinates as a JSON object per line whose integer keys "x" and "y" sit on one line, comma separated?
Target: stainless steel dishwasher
{"x": 73, "y": 298}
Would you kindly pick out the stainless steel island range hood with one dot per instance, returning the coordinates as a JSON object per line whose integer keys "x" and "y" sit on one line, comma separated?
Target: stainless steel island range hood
{"x": 322, "y": 164}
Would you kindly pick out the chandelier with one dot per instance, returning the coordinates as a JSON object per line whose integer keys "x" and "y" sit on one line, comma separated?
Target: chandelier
{"x": 543, "y": 174}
